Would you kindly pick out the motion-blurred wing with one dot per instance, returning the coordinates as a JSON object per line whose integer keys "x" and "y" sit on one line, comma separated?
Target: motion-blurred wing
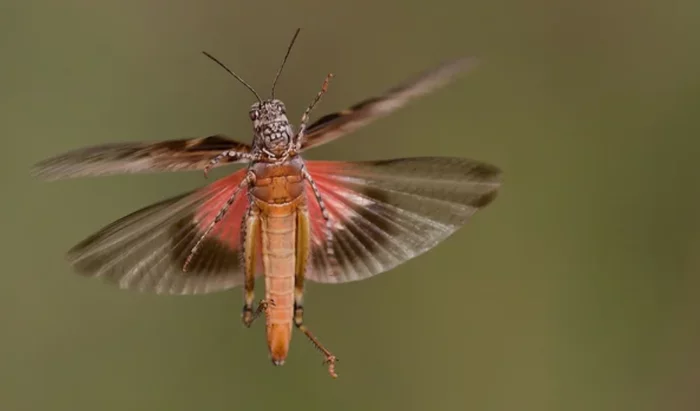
{"x": 146, "y": 250}
{"x": 121, "y": 158}
{"x": 384, "y": 213}
{"x": 332, "y": 126}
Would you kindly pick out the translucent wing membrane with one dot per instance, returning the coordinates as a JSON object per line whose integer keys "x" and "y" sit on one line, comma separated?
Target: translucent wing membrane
{"x": 146, "y": 250}
{"x": 335, "y": 125}
{"x": 121, "y": 158}
{"x": 384, "y": 213}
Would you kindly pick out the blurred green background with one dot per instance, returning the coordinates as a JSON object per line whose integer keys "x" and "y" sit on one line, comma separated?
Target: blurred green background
{"x": 576, "y": 290}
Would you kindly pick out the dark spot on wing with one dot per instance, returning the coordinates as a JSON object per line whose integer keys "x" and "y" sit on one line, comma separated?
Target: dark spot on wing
{"x": 365, "y": 103}
{"x": 211, "y": 143}
{"x": 323, "y": 120}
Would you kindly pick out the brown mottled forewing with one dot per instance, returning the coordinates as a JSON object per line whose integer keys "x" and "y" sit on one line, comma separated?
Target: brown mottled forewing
{"x": 146, "y": 250}
{"x": 335, "y": 125}
{"x": 120, "y": 158}
{"x": 386, "y": 212}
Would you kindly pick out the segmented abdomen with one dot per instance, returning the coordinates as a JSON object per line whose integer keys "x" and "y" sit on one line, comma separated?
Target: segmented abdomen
{"x": 278, "y": 230}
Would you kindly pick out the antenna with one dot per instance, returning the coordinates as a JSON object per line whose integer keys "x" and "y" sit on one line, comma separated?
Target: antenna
{"x": 234, "y": 75}
{"x": 289, "y": 49}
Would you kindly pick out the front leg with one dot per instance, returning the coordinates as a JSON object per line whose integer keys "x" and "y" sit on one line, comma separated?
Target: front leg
{"x": 299, "y": 137}
{"x": 229, "y": 155}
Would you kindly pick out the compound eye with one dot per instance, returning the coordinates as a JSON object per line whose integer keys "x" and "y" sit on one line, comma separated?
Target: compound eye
{"x": 254, "y": 114}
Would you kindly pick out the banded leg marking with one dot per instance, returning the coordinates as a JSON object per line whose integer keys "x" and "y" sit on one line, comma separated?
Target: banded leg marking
{"x": 332, "y": 260}
{"x": 233, "y": 155}
{"x": 298, "y": 139}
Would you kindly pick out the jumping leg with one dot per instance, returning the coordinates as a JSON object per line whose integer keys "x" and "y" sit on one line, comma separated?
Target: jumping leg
{"x": 303, "y": 247}
{"x": 250, "y": 236}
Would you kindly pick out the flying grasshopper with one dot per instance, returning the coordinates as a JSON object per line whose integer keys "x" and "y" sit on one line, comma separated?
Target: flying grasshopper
{"x": 289, "y": 219}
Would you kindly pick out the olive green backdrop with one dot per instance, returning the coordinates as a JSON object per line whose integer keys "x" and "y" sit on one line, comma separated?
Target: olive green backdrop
{"x": 578, "y": 289}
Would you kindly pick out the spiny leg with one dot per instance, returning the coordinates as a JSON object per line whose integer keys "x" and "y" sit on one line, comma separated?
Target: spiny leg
{"x": 298, "y": 139}
{"x": 249, "y": 316}
{"x": 249, "y": 179}
{"x": 299, "y": 322}
{"x": 303, "y": 248}
{"x": 233, "y": 155}
{"x": 330, "y": 253}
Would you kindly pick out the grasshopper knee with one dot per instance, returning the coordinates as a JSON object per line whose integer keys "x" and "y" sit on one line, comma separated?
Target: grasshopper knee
{"x": 298, "y": 315}
{"x": 247, "y": 314}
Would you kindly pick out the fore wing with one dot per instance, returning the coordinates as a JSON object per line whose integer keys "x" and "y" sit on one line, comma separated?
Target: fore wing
{"x": 122, "y": 158}
{"x": 146, "y": 250}
{"x": 335, "y": 125}
{"x": 384, "y": 213}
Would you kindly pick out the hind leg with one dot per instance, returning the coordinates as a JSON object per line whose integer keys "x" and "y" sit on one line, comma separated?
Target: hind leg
{"x": 303, "y": 248}
{"x": 250, "y": 235}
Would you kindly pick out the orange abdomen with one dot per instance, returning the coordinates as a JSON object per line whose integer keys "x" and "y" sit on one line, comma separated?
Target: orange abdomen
{"x": 278, "y": 231}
